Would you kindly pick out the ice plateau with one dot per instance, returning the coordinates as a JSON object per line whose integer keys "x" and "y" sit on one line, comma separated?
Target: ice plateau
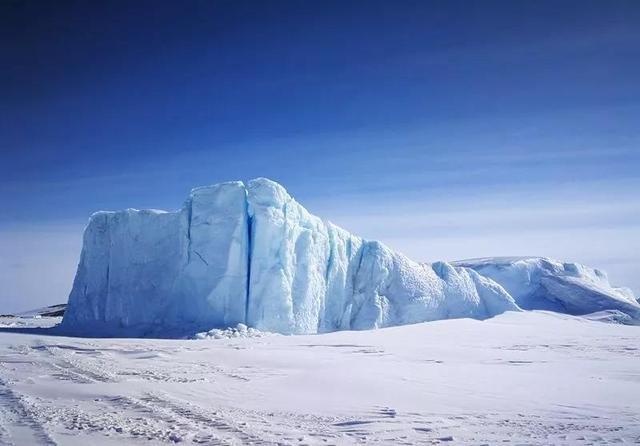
{"x": 250, "y": 254}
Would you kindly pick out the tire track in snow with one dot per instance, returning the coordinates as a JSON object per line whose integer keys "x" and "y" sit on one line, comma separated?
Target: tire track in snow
{"x": 230, "y": 431}
{"x": 19, "y": 424}
{"x": 70, "y": 368}
{"x": 152, "y": 422}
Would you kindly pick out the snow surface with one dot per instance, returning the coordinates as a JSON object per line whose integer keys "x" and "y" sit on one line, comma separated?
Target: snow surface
{"x": 534, "y": 378}
{"x": 251, "y": 254}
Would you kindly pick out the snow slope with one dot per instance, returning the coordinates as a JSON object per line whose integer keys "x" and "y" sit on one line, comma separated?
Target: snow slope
{"x": 533, "y": 378}
{"x": 538, "y": 283}
{"x": 251, "y": 254}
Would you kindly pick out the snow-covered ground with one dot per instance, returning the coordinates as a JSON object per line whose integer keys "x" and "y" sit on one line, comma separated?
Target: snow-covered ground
{"x": 519, "y": 378}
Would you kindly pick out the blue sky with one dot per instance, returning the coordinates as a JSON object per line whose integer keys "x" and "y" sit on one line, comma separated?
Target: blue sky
{"x": 445, "y": 129}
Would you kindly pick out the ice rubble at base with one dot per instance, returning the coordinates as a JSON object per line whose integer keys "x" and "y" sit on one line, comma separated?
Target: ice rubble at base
{"x": 239, "y": 331}
{"x": 250, "y": 254}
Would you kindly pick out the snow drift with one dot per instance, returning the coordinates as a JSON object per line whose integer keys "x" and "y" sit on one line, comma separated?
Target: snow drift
{"x": 250, "y": 254}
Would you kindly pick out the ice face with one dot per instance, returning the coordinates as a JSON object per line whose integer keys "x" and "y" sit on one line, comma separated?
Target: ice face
{"x": 288, "y": 261}
{"x": 214, "y": 275}
{"x": 142, "y": 270}
{"x": 251, "y": 254}
{"x": 127, "y": 268}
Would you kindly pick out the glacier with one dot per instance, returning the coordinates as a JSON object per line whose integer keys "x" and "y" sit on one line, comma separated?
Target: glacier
{"x": 239, "y": 253}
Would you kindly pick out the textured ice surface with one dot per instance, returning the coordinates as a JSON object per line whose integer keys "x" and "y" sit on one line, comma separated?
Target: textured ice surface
{"x": 251, "y": 254}
{"x": 538, "y": 283}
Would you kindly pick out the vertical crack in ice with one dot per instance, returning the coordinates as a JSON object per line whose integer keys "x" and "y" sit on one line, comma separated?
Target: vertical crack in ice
{"x": 105, "y": 307}
{"x": 354, "y": 279}
{"x": 249, "y": 255}
{"x": 288, "y": 262}
{"x": 283, "y": 264}
{"x": 330, "y": 260}
{"x": 331, "y": 254}
{"x": 106, "y": 299}
{"x": 189, "y": 205}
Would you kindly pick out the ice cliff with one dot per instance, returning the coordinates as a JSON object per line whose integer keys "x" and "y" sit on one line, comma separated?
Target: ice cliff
{"x": 251, "y": 254}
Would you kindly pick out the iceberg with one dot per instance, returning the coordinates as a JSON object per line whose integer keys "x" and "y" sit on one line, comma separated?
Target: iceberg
{"x": 249, "y": 254}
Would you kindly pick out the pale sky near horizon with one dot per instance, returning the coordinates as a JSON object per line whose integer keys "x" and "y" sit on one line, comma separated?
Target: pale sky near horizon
{"x": 445, "y": 129}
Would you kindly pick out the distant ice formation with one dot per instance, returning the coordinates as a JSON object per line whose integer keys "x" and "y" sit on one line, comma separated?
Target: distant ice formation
{"x": 250, "y": 254}
{"x": 538, "y": 283}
